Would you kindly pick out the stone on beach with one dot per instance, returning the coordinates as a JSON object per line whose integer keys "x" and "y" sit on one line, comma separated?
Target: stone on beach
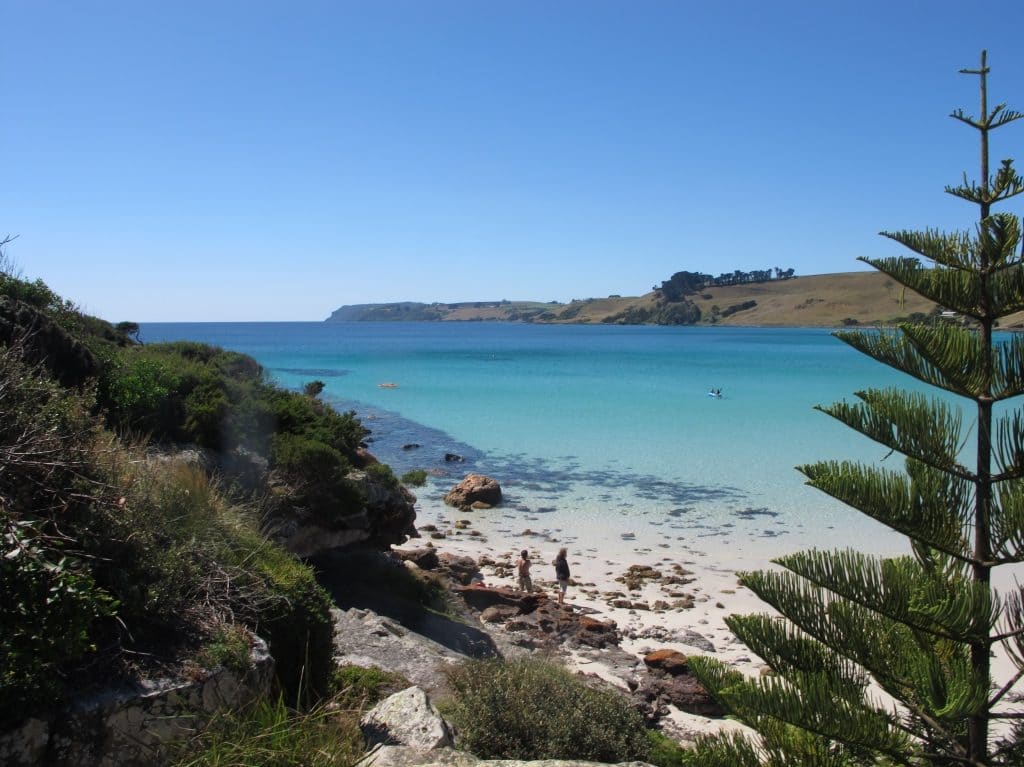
{"x": 474, "y": 489}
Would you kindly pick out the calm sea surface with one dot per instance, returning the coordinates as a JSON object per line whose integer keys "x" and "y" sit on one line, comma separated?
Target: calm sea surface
{"x": 600, "y": 431}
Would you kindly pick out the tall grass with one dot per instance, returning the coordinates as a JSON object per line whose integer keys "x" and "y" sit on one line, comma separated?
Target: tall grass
{"x": 270, "y": 734}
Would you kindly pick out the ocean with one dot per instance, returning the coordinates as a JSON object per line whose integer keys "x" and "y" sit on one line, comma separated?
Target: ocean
{"x": 598, "y": 434}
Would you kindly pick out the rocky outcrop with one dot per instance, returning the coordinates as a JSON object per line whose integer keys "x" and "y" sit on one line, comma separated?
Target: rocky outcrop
{"x": 46, "y": 343}
{"x": 425, "y": 558}
{"x": 387, "y": 518}
{"x": 536, "y": 620}
{"x": 669, "y": 681}
{"x": 391, "y": 509}
{"x": 404, "y": 756}
{"x": 407, "y": 718}
{"x": 475, "y": 491}
{"x": 364, "y": 638}
{"x": 129, "y": 727}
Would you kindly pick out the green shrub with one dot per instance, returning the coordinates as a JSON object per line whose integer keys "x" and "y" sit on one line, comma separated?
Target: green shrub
{"x": 317, "y": 472}
{"x": 416, "y": 478}
{"x": 228, "y": 647}
{"x": 362, "y": 686}
{"x": 665, "y": 752}
{"x": 382, "y": 474}
{"x": 270, "y": 734}
{"x": 296, "y": 622}
{"x": 47, "y": 615}
{"x": 533, "y": 709}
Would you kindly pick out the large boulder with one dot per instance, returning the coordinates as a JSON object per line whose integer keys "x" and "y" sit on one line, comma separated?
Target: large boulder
{"x": 407, "y": 718}
{"x": 475, "y": 490}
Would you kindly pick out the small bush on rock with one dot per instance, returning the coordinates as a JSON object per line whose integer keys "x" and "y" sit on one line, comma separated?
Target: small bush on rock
{"x": 362, "y": 686}
{"x": 416, "y": 478}
{"x": 533, "y": 709}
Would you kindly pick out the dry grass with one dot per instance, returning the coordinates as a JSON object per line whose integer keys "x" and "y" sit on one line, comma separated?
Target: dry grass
{"x": 821, "y": 300}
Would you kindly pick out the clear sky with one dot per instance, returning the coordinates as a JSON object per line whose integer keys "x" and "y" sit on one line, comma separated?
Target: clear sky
{"x": 211, "y": 160}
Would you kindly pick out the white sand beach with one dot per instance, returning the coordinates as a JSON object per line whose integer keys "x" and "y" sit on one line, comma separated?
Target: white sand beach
{"x": 683, "y": 609}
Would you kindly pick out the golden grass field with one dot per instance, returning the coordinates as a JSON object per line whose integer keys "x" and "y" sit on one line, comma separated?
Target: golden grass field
{"x": 821, "y": 300}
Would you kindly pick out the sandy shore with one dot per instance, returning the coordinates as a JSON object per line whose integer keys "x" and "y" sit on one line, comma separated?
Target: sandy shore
{"x": 683, "y": 609}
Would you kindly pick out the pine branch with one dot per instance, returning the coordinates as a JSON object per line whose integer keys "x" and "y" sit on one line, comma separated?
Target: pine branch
{"x": 1009, "y": 447}
{"x": 901, "y": 590}
{"x": 952, "y": 250}
{"x": 1008, "y": 368}
{"x": 1007, "y": 523}
{"x": 790, "y": 653}
{"x": 922, "y": 428}
{"x": 930, "y": 506}
{"x": 889, "y": 348}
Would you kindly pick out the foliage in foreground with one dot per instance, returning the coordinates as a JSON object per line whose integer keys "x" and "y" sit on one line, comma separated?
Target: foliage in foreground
{"x": 533, "y": 709}
{"x": 858, "y": 632}
{"x": 271, "y": 734}
{"x": 105, "y": 557}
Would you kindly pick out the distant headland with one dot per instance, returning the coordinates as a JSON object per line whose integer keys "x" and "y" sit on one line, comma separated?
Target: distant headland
{"x": 779, "y": 299}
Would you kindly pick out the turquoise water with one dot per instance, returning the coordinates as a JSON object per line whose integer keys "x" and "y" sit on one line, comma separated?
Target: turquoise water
{"x": 597, "y": 431}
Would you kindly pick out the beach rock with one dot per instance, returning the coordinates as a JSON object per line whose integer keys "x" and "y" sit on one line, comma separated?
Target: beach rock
{"x": 682, "y": 636}
{"x": 460, "y": 569}
{"x": 481, "y": 598}
{"x": 453, "y": 458}
{"x": 474, "y": 488}
{"x": 387, "y": 518}
{"x": 595, "y": 633}
{"x": 684, "y": 692}
{"x": 669, "y": 682}
{"x": 425, "y": 558}
{"x": 410, "y": 445}
{"x": 635, "y": 577}
{"x": 407, "y": 718}
{"x": 671, "y": 662}
{"x": 498, "y": 613}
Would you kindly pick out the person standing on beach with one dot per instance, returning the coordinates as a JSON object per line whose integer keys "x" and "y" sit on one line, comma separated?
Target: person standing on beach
{"x": 523, "y": 568}
{"x": 562, "y": 574}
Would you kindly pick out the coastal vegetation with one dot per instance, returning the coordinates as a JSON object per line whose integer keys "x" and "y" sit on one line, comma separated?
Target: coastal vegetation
{"x": 529, "y": 708}
{"x": 891, "y": 661}
{"x": 137, "y": 490}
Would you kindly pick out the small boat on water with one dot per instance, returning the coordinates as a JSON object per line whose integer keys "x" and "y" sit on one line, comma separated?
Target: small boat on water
{"x": 388, "y": 385}
{"x": 715, "y": 393}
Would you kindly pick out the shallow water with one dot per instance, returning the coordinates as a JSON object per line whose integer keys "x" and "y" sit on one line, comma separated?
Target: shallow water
{"x": 598, "y": 434}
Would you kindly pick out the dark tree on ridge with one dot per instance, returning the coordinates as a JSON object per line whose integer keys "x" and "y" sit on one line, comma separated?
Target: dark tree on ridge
{"x": 889, "y": 661}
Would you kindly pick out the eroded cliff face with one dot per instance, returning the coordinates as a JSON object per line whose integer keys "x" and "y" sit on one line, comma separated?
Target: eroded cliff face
{"x": 387, "y": 518}
{"x": 133, "y": 725}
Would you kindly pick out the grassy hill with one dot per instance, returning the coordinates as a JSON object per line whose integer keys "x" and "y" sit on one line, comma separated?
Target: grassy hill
{"x": 823, "y": 300}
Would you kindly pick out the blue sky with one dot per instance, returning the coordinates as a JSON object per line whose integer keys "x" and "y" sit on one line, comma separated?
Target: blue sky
{"x": 172, "y": 161}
